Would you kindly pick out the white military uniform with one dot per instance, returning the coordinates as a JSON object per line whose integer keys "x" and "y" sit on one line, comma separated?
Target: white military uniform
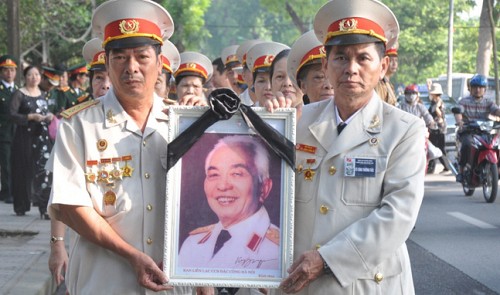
{"x": 245, "y": 97}
{"x": 254, "y": 244}
{"x": 84, "y": 144}
{"x": 359, "y": 223}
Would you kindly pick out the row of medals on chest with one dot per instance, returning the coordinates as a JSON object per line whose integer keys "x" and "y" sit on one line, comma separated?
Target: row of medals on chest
{"x": 107, "y": 172}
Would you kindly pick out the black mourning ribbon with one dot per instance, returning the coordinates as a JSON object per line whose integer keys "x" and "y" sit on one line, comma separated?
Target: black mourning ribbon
{"x": 224, "y": 103}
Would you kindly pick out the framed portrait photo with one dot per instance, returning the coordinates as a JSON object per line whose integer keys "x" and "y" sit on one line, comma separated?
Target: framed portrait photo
{"x": 230, "y": 203}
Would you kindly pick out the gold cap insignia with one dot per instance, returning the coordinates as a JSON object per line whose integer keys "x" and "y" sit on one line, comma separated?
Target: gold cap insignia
{"x": 129, "y": 26}
{"x": 348, "y": 25}
{"x": 101, "y": 57}
{"x": 268, "y": 60}
{"x": 191, "y": 65}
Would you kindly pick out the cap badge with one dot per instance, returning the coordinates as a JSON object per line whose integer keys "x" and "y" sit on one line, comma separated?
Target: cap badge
{"x": 322, "y": 50}
{"x": 348, "y": 25}
{"x": 101, "y": 57}
{"x": 191, "y": 65}
{"x": 268, "y": 60}
{"x": 129, "y": 26}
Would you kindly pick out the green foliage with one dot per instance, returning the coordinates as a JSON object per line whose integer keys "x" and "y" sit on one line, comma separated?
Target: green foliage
{"x": 210, "y": 25}
{"x": 189, "y": 22}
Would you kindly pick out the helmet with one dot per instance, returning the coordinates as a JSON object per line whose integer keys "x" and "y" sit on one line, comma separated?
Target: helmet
{"x": 412, "y": 88}
{"x": 478, "y": 81}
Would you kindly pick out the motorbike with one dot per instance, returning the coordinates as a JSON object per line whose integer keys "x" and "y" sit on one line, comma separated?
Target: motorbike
{"x": 482, "y": 168}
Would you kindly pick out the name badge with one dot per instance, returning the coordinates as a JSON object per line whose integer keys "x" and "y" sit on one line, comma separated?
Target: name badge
{"x": 359, "y": 167}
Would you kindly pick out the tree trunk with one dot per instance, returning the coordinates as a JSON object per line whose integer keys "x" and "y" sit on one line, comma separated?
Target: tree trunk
{"x": 485, "y": 43}
{"x": 295, "y": 18}
{"x": 13, "y": 43}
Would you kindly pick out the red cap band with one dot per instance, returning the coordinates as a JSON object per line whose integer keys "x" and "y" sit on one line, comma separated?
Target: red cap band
{"x": 126, "y": 28}
{"x": 355, "y": 25}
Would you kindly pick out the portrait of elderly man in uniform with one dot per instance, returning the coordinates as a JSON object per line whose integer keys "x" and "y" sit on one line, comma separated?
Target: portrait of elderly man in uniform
{"x": 236, "y": 184}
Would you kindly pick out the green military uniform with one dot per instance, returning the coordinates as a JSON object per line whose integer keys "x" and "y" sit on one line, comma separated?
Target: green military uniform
{"x": 6, "y": 131}
{"x": 76, "y": 95}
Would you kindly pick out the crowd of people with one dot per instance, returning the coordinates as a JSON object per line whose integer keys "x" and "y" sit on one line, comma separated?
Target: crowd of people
{"x": 87, "y": 145}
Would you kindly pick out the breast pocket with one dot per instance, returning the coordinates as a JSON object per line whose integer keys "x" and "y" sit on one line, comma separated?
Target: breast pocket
{"x": 307, "y": 176}
{"x": 365, "y": 190}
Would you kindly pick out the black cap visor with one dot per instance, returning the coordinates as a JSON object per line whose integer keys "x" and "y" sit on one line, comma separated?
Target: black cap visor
{"x": 351, "y": 39}
{"x": 131, "y": 42}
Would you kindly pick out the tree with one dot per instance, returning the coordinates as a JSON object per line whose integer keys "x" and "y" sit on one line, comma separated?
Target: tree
{"x": 189, "y": 22}
{"x": 485, "y": 38}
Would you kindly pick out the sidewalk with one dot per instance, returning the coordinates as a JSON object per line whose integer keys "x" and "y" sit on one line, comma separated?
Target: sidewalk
{"x": 24, "y": 253}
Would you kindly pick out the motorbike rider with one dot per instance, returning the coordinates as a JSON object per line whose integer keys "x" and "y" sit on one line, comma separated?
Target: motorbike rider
{"x": 413, "y": 105}
{"x": 473, "y": 108}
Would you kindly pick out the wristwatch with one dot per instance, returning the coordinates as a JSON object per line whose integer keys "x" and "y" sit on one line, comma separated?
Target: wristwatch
{"x": 326, "y": 269}
{"x": 54, "y": 239}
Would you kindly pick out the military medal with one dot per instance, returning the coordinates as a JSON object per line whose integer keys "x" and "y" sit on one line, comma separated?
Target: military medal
{"x": 102, "y": 144}
{"x": 116, "y": 173}
{"x": 103, "y": 175}
{"x": 299, "y": 168}
{"x": 127, "y": 170}
{"x": 309, "y": 174}
{"x": 109, "y": 198}
{"x": 90, "y": 176}
{"x": 306, "y": 148}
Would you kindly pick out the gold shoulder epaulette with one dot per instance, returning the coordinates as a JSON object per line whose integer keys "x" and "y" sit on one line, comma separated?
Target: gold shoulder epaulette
{"x": 202, "y": 229}
{"x": 273, "y": 234}
{"x": 78, "y": 108}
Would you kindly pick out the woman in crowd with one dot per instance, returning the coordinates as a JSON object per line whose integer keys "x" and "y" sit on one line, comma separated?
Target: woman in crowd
{"x": 31, "y": 145}
{"x": 305, "y": 69}
{"x": 194, "y": 71}
{"x": 280, "y": 81}
{"x": 259, "y": 59}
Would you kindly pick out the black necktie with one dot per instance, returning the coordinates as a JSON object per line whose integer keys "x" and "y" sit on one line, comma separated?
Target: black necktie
{"x": 341, "y": 127}
{"x": 223, "y": 237}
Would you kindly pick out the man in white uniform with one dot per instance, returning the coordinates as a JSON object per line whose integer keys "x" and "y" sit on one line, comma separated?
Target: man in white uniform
{"x": 109, "y": 161}
{"x": 236, "y": 185}
{"x": 360, "y": 164}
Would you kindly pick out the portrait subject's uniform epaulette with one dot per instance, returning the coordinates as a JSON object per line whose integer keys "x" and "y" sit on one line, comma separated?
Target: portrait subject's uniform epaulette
{"x": 273, "y": 234}
{"x": 78, "y": 108}
{"x": 204, "y": 229}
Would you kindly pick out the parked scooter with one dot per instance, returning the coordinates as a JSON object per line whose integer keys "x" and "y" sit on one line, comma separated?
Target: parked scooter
{"x": 481, "y": 170}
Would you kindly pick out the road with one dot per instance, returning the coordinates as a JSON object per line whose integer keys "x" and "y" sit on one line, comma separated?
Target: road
{"x": 455, "y": 245}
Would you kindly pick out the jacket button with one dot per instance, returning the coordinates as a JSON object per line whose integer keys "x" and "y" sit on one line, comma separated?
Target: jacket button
{"x": 144, "y": 143}
{"x": 323, "y": 209}
{"x": 149, "y": 241}
{"x": 149, "y": 207}
{"x": 146, "y": 175}
{"x": 332, "y": 170}
{"x": 378, "y": 277}
{"x": 317, "y": 246}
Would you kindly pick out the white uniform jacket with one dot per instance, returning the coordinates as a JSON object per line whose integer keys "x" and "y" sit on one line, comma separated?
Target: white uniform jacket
{"x": 254, "y": 244}
{"x": 359, "y": 222}
{"x": 89, "y": 147}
